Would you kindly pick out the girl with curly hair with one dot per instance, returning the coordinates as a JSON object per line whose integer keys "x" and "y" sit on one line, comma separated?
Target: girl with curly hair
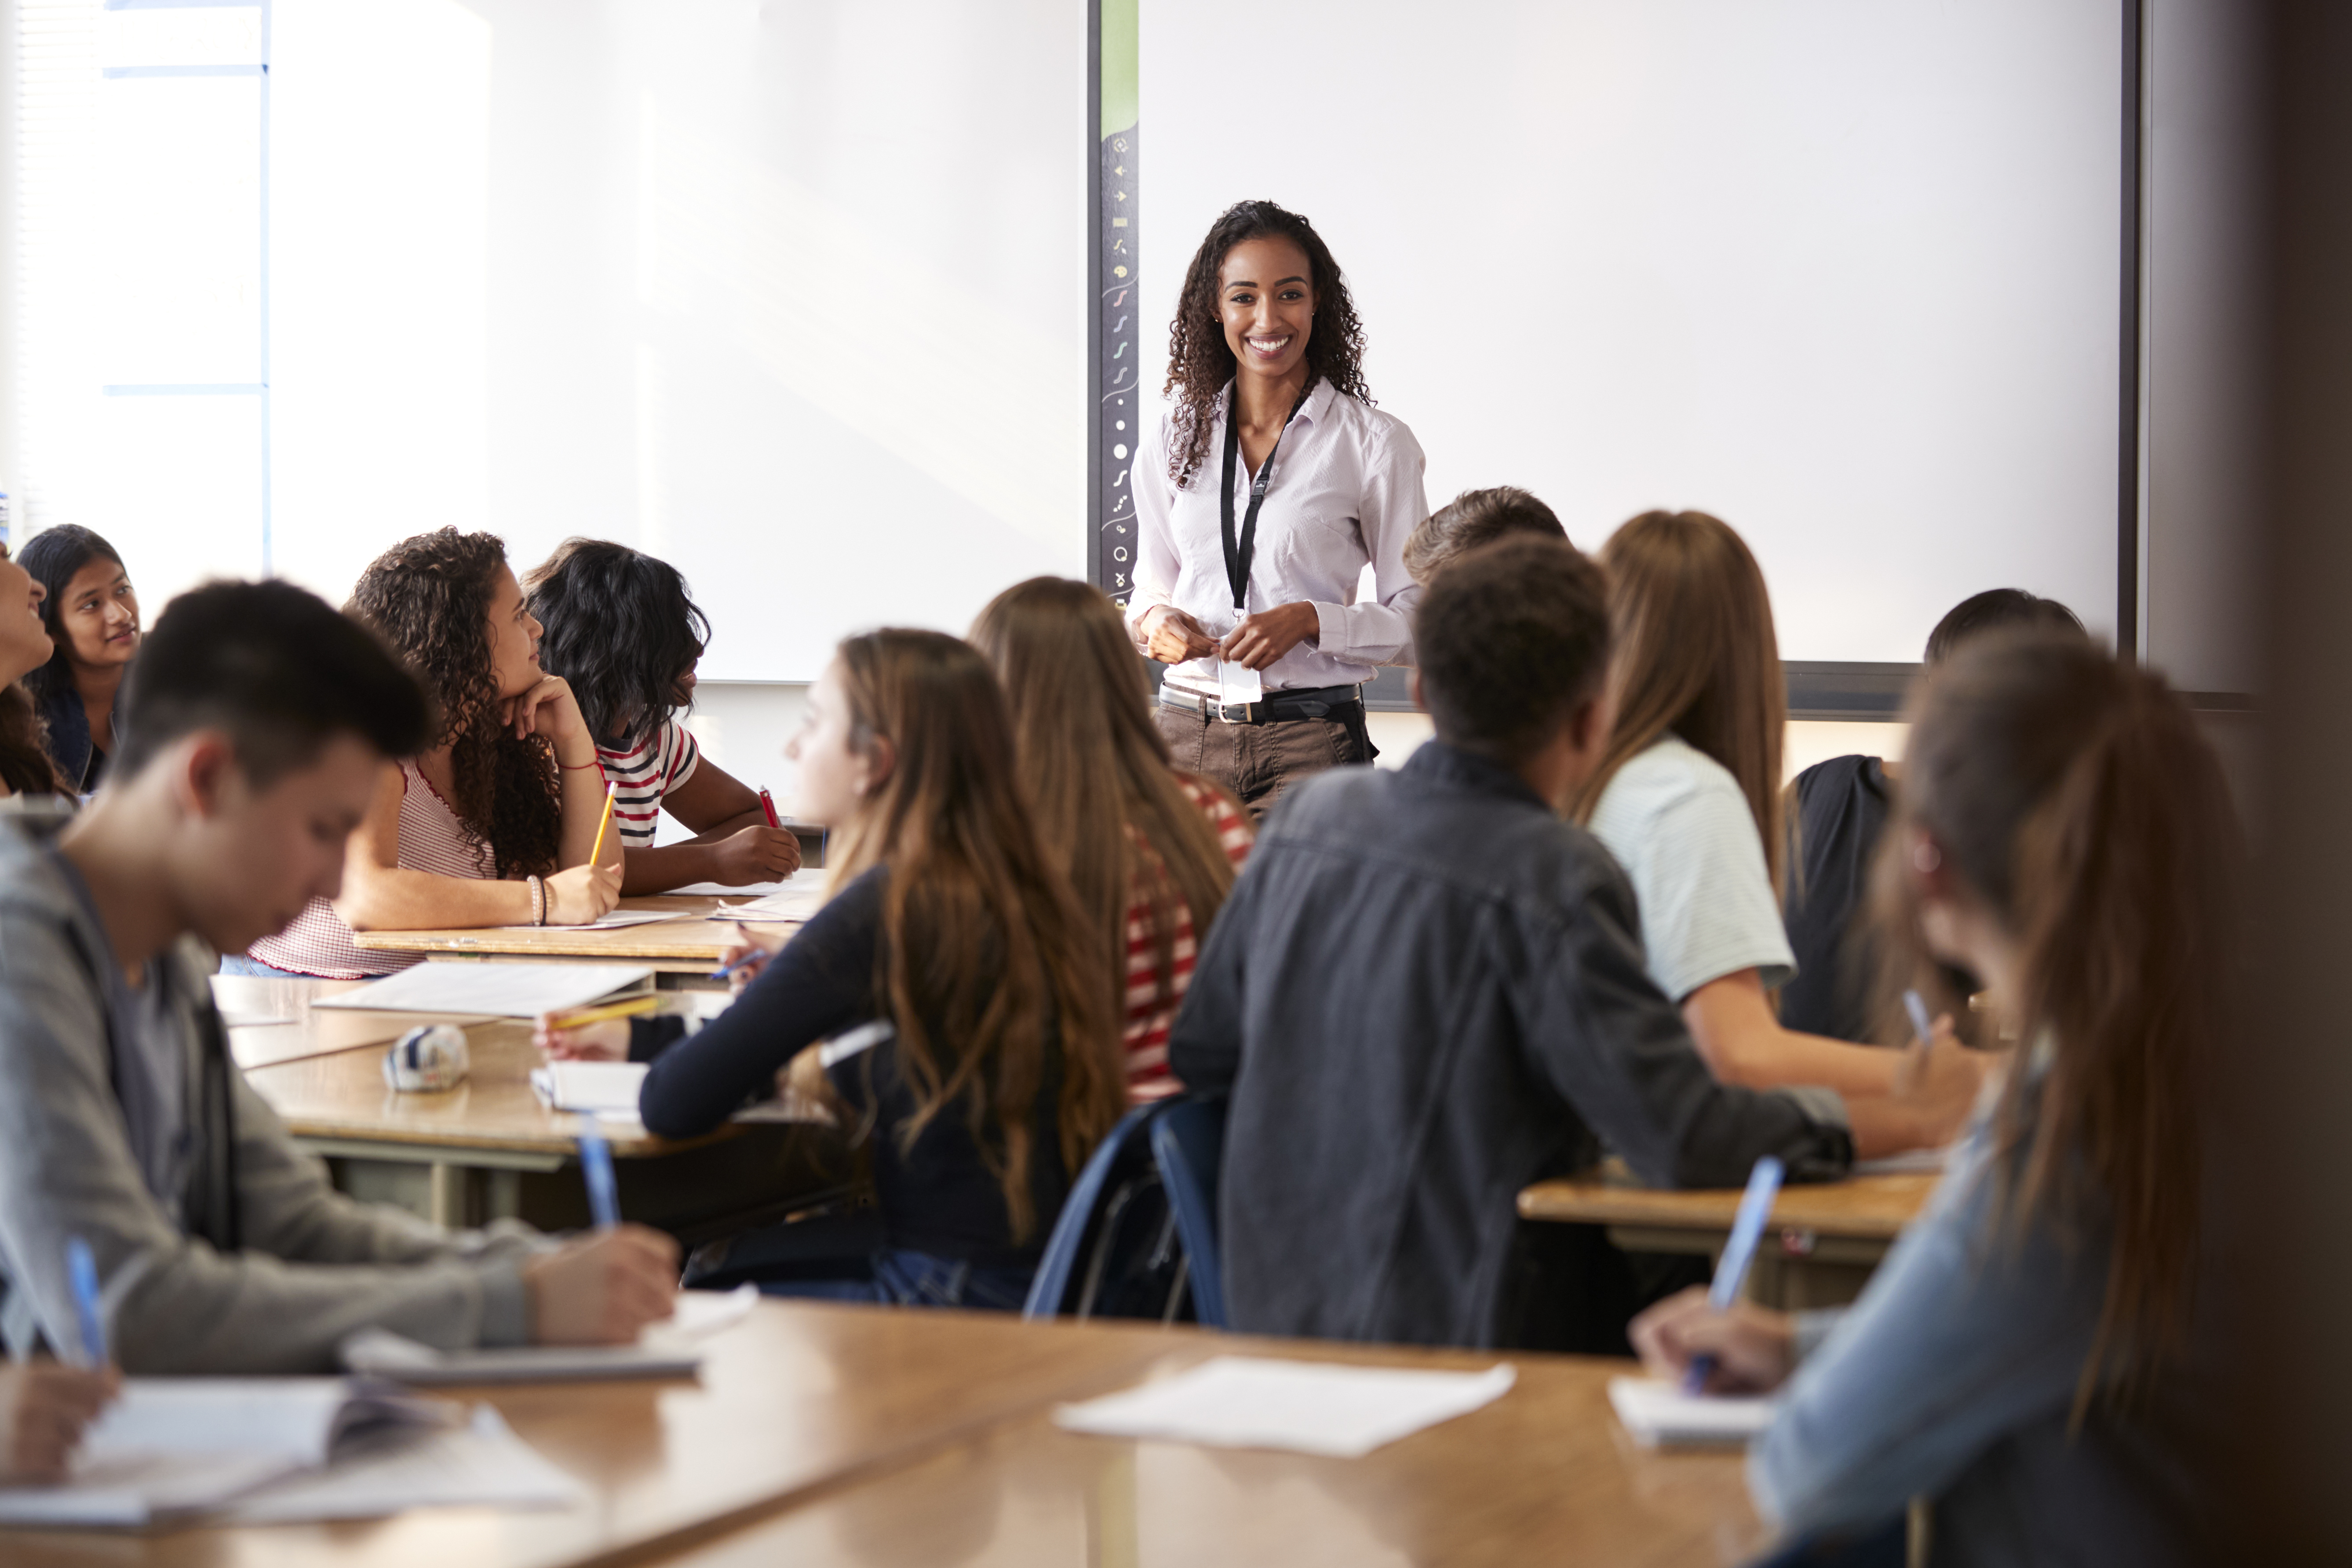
{"x": 493, "y": 824}
{"x": 623, "y": 633}
{"x": 1259, "y": 500}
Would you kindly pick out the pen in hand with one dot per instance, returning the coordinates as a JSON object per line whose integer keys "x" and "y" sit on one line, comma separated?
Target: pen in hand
{"x": 1731, "y": 1270}
{"x": 81, "y": 1271}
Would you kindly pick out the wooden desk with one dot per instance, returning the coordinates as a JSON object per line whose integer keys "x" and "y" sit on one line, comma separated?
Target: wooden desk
{"x": 800, "y": 1397}
{"x": 492, "y": 1149}
{"x": 1825, "y": 1238}
{"x": 1543, "y": 1475}
{"x": 690, "y": 945}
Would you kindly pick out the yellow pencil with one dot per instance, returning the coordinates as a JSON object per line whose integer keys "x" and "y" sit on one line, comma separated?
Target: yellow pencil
{"x": 627, "y": 1007}
{"x": 597, "y": 856}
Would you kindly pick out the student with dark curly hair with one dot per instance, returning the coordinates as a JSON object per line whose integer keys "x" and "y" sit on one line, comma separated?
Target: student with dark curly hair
{"x": 92, "y": 615}
{"x": 1255, "y": 566}
{"x": 493, "y": 823}
{"x": 623, "y": 633}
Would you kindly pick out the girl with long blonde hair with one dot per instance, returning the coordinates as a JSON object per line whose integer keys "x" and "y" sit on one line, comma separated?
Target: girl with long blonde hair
{"x": 2064, "y": 837}
{"x": 945, "y": 999}
{"x": 1687, "y": 798}
{"x": 1149, "y": 851}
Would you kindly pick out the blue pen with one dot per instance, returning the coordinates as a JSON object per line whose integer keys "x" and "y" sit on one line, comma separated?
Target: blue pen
{"x": 597, "y": 1165}
{"x": 1731, "y": 1270}
{"x": 81, "y": 1269}
{"x": 747, "y": 957}
{"x": 1921, "y": 1025}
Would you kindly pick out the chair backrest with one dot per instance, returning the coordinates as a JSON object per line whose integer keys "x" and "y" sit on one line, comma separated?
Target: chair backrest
{"x": 1122, "y": 1157}
{"x": 1188, "y": 1140}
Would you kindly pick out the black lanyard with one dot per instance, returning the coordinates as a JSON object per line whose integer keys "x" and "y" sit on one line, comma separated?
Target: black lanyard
{"x": 1238, "y": 552}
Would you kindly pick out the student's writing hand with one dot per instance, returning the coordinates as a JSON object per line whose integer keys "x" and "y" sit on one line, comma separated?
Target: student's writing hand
{"x": 549, "y": 709}
{"x": 1171, "y": 637}
{"x": 1940, "y": 1086}
{"x": 1268, "y": 635}
{"x": 601, "y": 1288}
{"x": 751, "y": 951}
{"x": 1754, "y": 1348}
{"x": 44, "y": 1408}
{"x": 582, "y": 894}
{"x": 757, "y": 853}
{"x": 607, "y": 1041}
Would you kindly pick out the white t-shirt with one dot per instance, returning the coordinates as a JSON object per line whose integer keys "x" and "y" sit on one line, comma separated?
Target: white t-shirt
{"x": 647, "y": 772}
{"x": 1677, "y": 822}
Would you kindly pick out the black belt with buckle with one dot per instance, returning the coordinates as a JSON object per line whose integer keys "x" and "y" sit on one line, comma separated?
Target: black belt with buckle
{"x": 1344, "y": 703}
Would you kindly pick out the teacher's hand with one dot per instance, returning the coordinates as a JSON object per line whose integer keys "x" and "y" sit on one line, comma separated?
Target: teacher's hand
{"x": 1171, "y": 637}
{"x": 1269, "y": 634}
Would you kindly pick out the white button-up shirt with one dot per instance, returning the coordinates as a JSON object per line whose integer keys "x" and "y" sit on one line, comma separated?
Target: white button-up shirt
{"x": 1345, "y": 491}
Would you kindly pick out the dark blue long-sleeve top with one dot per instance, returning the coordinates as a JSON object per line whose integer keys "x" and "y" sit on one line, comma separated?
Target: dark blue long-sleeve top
{"x": 938, "y": 1196}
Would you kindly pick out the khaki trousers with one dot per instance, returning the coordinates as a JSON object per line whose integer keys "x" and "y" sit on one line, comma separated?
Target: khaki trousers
{"x": 1256, "y": 762}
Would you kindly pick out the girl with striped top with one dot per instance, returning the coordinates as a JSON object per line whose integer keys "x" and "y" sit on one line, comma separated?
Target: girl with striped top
{"x": 1150, "y": 851}
{"x": 623, "y": 631}
{"x": 492, "y": 825}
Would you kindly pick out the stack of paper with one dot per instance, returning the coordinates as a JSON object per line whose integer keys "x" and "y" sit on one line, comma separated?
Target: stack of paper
{"x": 1660, "y": 1415}
{"x": 664, "y": 1350}
{"x": 499, "y": 990}
{"x": 592, "y": 1089}
{"x": 790, "y": 904}
{"x": 172, "y": 1447}
{"x": 1313, "y": 1407}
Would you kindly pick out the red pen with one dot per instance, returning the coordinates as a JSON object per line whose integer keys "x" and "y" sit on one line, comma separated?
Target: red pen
{"x": 769, "y": 807}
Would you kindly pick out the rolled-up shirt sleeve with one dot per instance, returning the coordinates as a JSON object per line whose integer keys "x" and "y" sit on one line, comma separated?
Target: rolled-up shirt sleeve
{"x": 1379, "y": 630}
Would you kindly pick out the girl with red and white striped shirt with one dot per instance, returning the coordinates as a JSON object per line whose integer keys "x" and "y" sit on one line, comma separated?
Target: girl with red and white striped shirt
{"x": 1149, "y": 851}
{"x": 622, "y": 629}
{"x": 495, "y": 822}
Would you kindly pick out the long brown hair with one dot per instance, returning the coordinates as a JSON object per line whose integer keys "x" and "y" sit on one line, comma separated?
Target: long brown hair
{"x": 1695, "y": 656}
{"x": 429, "y": 598}
{"x": 2072, "y": 793}
{"x": 981, "y": 955}
{"x": 1097, "y": 768}
{"x": 1200, "y": 360}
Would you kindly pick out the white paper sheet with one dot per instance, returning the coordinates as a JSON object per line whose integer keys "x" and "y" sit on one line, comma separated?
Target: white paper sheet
{"x": 794, "y": 901}
{"x": 1660, "y": 1415}
{"x": 172, "y": 1447}
{"x": 670, "y": 1348}
{"x": 722, "y": 890}
{"x": 480, "y": 1464}
{"x": 1911, "y": 1162}
{"x": 1313, "y": 1407}
{"x": 598, "y": 1088}
{"x": 619, "y": 919}
{"x": 500, "y": 990}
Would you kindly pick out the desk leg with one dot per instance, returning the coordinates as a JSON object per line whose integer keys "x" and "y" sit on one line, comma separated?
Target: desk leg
{"x": 445, "y": 1197}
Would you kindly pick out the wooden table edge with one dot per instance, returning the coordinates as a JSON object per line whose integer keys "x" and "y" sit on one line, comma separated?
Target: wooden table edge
{"x": 1592, "y": 1202}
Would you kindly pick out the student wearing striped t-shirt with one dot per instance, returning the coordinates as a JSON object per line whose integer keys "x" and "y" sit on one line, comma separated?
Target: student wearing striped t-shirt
{"x": 622, "y": 630}
{"x": 1150, "y": 851}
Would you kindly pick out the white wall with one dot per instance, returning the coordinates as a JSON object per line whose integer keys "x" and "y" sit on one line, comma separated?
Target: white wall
{"x": 1844, "y": 272}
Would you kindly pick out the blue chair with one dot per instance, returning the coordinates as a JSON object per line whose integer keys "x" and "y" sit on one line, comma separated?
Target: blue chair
{"x": 1104, "y": 1190}
{"x": 1188, "y": 1140}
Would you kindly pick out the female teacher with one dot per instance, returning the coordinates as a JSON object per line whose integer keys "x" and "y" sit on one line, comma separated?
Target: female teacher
{"x": 1260, "y": 498}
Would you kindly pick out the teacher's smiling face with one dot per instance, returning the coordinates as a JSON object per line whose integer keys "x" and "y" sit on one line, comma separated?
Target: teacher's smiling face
{"x": 1265, "y": 295}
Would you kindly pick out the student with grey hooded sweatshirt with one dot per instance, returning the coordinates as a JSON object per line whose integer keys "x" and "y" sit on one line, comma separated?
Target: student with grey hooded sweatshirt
{"x": 256, "y": 725}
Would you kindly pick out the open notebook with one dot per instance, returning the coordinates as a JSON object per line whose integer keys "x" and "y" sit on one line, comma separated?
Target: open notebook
{"x": 281, "y": 1448}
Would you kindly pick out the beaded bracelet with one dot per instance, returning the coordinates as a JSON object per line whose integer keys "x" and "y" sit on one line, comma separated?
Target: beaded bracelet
{"x": 537, "y": 901}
